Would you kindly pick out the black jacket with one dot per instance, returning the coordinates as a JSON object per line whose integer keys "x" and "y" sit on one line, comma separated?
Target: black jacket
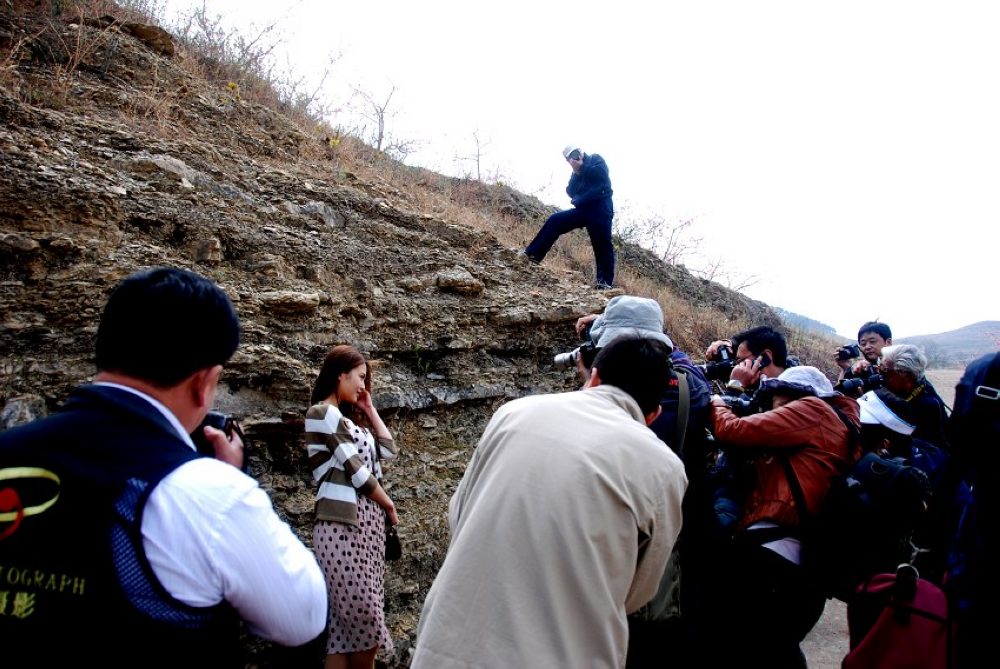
{"x": 80, "y": 590}
{"x": 591, "y": 188}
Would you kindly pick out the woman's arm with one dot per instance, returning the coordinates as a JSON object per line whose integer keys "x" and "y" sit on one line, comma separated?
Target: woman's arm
{"x": 381, "y": 497}
{"x": 378, "y": 494}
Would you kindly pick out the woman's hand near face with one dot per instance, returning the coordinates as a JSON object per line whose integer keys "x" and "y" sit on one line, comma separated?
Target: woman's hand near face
{"x": 365, "y": 402}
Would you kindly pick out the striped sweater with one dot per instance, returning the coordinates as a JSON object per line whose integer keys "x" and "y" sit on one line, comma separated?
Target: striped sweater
{"x": 335, "y": 447}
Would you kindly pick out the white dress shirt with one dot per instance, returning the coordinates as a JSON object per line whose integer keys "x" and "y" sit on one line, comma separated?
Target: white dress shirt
{"x": 211, "y": 534}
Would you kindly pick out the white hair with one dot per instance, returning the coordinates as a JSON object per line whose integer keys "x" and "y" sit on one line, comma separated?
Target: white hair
{"x": 905, "y": 358}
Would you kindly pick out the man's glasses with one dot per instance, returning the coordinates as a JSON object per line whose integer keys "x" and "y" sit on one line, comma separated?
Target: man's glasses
{"x": 573, "y": 156}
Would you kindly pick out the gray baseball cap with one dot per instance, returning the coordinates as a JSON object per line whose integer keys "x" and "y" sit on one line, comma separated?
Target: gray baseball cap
{"x": 631, "y": 316}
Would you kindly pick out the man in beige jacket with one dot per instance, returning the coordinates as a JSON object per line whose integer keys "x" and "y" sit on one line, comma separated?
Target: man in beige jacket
{"x": 561, "y": 525}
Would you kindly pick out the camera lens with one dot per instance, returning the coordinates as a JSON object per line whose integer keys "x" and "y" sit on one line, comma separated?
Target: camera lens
{"x": 565, "y": 360}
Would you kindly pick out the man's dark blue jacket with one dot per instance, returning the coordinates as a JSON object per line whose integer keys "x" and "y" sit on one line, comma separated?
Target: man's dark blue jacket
{"x": 591, "y": 188}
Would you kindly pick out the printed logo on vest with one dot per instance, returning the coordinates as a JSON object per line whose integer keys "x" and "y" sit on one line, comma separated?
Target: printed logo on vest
{"x": 27, "y": 491}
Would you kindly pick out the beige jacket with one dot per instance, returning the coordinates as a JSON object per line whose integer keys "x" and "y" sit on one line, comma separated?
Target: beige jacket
{"x": 562, "y": 524}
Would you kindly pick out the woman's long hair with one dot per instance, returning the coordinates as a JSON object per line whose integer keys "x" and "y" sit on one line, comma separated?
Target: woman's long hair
{"x": 340, "y": 360}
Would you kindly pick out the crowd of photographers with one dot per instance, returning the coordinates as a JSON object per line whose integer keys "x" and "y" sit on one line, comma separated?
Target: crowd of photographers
{"x": 576, "y": 537}
{"x": 736, "y": 568}
{"x": 566, "y": 514}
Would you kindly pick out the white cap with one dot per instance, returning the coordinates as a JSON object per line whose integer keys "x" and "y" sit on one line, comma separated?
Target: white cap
{"x": 570, "y": 148}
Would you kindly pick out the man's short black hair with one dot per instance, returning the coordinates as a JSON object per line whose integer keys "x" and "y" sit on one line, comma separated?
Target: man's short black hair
{"x": 881, "y": 329}
{"x": 639, "y": 366}
{"x": 163, "y": 324}
{"x": 763, "y": 337}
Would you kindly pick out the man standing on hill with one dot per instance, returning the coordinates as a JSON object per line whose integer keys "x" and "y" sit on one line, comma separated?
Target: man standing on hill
{"x": 589, "y": 190}
{"x": 561, "y": 525}
{"x": 120, "y": 545}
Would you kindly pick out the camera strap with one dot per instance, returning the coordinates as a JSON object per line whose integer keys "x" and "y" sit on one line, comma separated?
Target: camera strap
{"x": 683, "y": 408}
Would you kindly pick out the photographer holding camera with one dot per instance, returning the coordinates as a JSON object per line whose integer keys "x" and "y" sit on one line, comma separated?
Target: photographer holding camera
{"x": 657, "y": 628}
{"x": 746, "y": 359}
{"x": 758, "y": 599}
{"x": 903, "y": 367}
{"x": 859, "y": 376}
{"x": 561, "y": 525}
{"x": 117, "y": 539}
{"x": 641, "y": 316}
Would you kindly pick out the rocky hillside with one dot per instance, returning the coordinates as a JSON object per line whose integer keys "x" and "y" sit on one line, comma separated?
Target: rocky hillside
{"x": 114, "y": 158}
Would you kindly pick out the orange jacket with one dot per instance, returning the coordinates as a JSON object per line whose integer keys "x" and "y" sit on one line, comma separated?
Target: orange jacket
{"x": 815, "y": 439}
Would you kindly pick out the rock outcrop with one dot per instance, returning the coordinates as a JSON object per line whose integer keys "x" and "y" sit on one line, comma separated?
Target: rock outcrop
{"x": 127, "y": 161}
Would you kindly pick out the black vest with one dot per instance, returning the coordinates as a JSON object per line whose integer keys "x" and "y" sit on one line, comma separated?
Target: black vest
{"x": 75, "y": 584}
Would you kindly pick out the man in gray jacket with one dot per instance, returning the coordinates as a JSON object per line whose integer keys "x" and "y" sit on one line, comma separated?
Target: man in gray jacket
{"x": 561, "y": 525}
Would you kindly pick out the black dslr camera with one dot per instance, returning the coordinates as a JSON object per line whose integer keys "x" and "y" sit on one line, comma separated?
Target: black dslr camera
{"x": 849, "y": 352}
{"x": 585, "y": 352}
{"x": 219, "y": 421}
{"x": 869, "y": 380}
{"x": 719, "y": 368}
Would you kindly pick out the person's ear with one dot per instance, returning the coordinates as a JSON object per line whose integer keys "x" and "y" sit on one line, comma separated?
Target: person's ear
{"x": 653, "y": 415}
{"x": 594, "y": 380}
{"x": 888, "y": 341}
{"x": 203, "y": 384}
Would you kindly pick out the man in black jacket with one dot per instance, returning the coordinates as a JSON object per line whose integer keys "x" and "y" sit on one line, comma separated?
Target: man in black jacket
{"x": 589, "y": 190}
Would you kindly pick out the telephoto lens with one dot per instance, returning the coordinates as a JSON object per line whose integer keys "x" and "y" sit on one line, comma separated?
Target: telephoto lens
{"x": 566, "y": 360}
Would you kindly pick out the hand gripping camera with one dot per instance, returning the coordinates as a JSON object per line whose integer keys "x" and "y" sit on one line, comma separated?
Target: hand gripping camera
{"x": 849, "y": 352}
{"x": 719, "y": 368}
{"x": 219, "y": 421}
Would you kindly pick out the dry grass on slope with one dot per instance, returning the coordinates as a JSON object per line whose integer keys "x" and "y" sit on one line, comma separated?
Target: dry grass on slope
{"x": 218, "y": 84}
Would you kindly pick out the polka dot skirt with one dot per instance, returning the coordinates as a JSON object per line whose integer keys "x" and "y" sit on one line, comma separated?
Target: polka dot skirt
{"x": 353, "y": 559}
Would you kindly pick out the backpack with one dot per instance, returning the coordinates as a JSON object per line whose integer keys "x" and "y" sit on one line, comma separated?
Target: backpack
{"x": 899, "y": 620}
{"x": 971, "y": 580}
{"x": 691, "y": 401}
{"x": 666, "y": 605}
{"x": 865, "y": 524}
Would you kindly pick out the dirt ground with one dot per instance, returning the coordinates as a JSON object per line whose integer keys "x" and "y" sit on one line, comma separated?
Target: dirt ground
{"x": 827, "y": 644}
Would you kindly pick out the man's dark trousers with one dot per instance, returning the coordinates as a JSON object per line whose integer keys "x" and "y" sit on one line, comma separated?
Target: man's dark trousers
{"x": 598, "y": 224}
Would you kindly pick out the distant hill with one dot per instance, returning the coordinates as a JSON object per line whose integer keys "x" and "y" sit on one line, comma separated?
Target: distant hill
{"x": 958, "y": 347}
{"x": 805, "y": 323}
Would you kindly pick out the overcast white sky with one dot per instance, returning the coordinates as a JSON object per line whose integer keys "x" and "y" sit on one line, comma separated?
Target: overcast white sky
{"x": 846, "y": 154}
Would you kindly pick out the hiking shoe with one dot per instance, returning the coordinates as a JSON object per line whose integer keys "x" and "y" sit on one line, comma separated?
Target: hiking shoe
{"x": 530, "y": 259}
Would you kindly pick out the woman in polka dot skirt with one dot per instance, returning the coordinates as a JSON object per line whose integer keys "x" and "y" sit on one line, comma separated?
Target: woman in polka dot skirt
{"x": 343, "y": 429}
